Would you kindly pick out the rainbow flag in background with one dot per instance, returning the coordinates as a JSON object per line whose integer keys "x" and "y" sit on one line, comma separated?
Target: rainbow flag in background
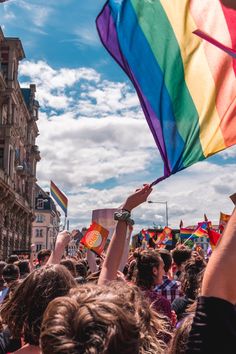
{"x": 185, "y": 233}
{"x": 59, "y": 197}
{"x": 186, "y": 85}
{"x": 200, "y": 232}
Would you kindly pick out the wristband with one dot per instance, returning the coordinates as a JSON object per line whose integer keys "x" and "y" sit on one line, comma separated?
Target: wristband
{"x": 123, "y": 215}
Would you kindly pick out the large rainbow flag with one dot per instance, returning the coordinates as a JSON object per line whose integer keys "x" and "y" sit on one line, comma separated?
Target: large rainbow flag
{"x": 59, "y": 197}
{"x": 186, "y": 84}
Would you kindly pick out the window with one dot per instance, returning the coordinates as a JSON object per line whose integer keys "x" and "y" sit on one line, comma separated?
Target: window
{"x": 38, "y": 247}
{"x": 39, "y": 233}
{"x": 1, "y": 158}
{"x": 39, "y": 218}
{"x": 40, "y": 204}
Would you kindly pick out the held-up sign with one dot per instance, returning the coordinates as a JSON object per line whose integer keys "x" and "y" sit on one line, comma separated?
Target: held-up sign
{"x": 95, "y": 238}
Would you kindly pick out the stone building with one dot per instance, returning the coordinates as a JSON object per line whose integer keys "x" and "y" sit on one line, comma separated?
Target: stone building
{"x": 46, "y": 225}
{"x": 18, "y": 152}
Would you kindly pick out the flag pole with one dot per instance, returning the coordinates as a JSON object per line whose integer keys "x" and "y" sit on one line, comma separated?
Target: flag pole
{"x": 188, "y": 239}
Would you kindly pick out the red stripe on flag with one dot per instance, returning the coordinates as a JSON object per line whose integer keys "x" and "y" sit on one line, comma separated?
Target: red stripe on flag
{"x": 230, "y": 17}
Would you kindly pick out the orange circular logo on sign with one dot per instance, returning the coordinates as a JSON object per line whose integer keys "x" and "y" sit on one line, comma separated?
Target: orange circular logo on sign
{"x": 93, "y": 239}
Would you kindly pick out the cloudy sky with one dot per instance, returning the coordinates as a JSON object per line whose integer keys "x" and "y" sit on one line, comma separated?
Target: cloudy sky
{"x": 94, "y": 140}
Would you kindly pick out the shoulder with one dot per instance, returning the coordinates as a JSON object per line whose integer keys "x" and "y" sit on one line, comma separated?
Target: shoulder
{"x": 213, "y": 328}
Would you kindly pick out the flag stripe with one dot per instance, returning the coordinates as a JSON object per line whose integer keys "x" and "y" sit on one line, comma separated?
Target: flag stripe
{"x": 218, "y": 61}
{"x": 230, "y": 19}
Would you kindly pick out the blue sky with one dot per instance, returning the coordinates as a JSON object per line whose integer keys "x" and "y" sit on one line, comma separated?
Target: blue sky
{"x": 94, "y": 140}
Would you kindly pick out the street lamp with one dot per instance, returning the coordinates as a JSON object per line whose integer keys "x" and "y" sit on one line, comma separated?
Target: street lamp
{"x": 166, "y": 204}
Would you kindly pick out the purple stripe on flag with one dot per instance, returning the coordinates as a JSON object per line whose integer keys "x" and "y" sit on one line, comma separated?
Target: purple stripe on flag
{"x": 108, "y": 35}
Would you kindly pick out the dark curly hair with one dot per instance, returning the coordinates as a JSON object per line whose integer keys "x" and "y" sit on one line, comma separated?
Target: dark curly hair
{"x": 191, "y": 276}
{"x": 146, "y": 260}
{"x": 23, "y": 313}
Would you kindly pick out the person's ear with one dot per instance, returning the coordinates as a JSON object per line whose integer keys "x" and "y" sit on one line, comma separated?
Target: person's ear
{"x": 155, "y": 271}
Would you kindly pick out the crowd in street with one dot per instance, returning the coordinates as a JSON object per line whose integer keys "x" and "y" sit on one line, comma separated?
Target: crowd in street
{"x": 173, "y": 302}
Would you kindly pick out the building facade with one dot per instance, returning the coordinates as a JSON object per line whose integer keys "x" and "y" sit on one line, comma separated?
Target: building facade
{"x": 46, "y": 225}
{"x": 18, "y": 153}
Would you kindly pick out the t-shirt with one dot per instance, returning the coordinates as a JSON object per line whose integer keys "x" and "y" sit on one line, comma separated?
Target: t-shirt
{"x": 214, "y": 327}
{"x": 159, "y": 303}
{"x": 180, "y": 305}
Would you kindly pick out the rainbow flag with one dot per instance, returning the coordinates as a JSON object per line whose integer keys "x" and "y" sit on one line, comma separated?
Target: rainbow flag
{"x": 186, "y": 85}
{"x": 95, "y": 238}
{"x": 59, "y": 197}
{"x": 200, "y": 232}
{"x": 185, "y": 233}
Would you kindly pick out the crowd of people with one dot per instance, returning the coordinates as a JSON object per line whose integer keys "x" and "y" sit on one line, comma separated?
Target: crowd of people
{"x": 162, "y": 301}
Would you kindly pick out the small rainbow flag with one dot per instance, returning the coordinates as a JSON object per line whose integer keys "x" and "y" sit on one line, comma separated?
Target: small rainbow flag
{"x": 185, "y": 233}
{"x": 95, "y": 238}
{"x": 186, "y": 85}
{"x": 59, "y": 197}
{"x": 200, "y": 232}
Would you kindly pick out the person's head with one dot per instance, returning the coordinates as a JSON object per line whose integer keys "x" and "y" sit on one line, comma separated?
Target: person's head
{"x": 43, "y": 257}
{"x": 10, "y": 273}
{"x": 70, "y": 265}
{"x": 149, "y": 270}
{"x": 23, "y": 313}
{"x": 191, "y": 276}
{"x": 167, "y": 259}
{"x": 12, "y": 259}
{"x": 24, "y": 268}
{"x": 180, "y": 339}
{"x": 100, "y": 319}
{"x": 180, "y": 255}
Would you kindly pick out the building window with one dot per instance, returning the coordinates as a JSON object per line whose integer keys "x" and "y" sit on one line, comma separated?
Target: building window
{"x": 39, "y": 233}
{"x": 38, "y": 247}
{"x": 1, "y": 158}
{"x": 39, "y": 218}
{"x": 40, "y": 204}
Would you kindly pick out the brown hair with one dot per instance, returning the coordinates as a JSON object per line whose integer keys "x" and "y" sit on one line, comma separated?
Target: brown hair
{"x": 191, "y": 276}
{"x": 70, "y": 265}
{"x": 146, "y": 260}
{"x": 23, "y": 313}
{"x": 101, "y": 320}
{"x": 180, "y": 338}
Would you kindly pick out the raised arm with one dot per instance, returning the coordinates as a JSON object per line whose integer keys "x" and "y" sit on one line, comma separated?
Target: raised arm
{"x": 63, "y": 238}
{"x": 116, "y": 247}
{"x": 218, "y": 278}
